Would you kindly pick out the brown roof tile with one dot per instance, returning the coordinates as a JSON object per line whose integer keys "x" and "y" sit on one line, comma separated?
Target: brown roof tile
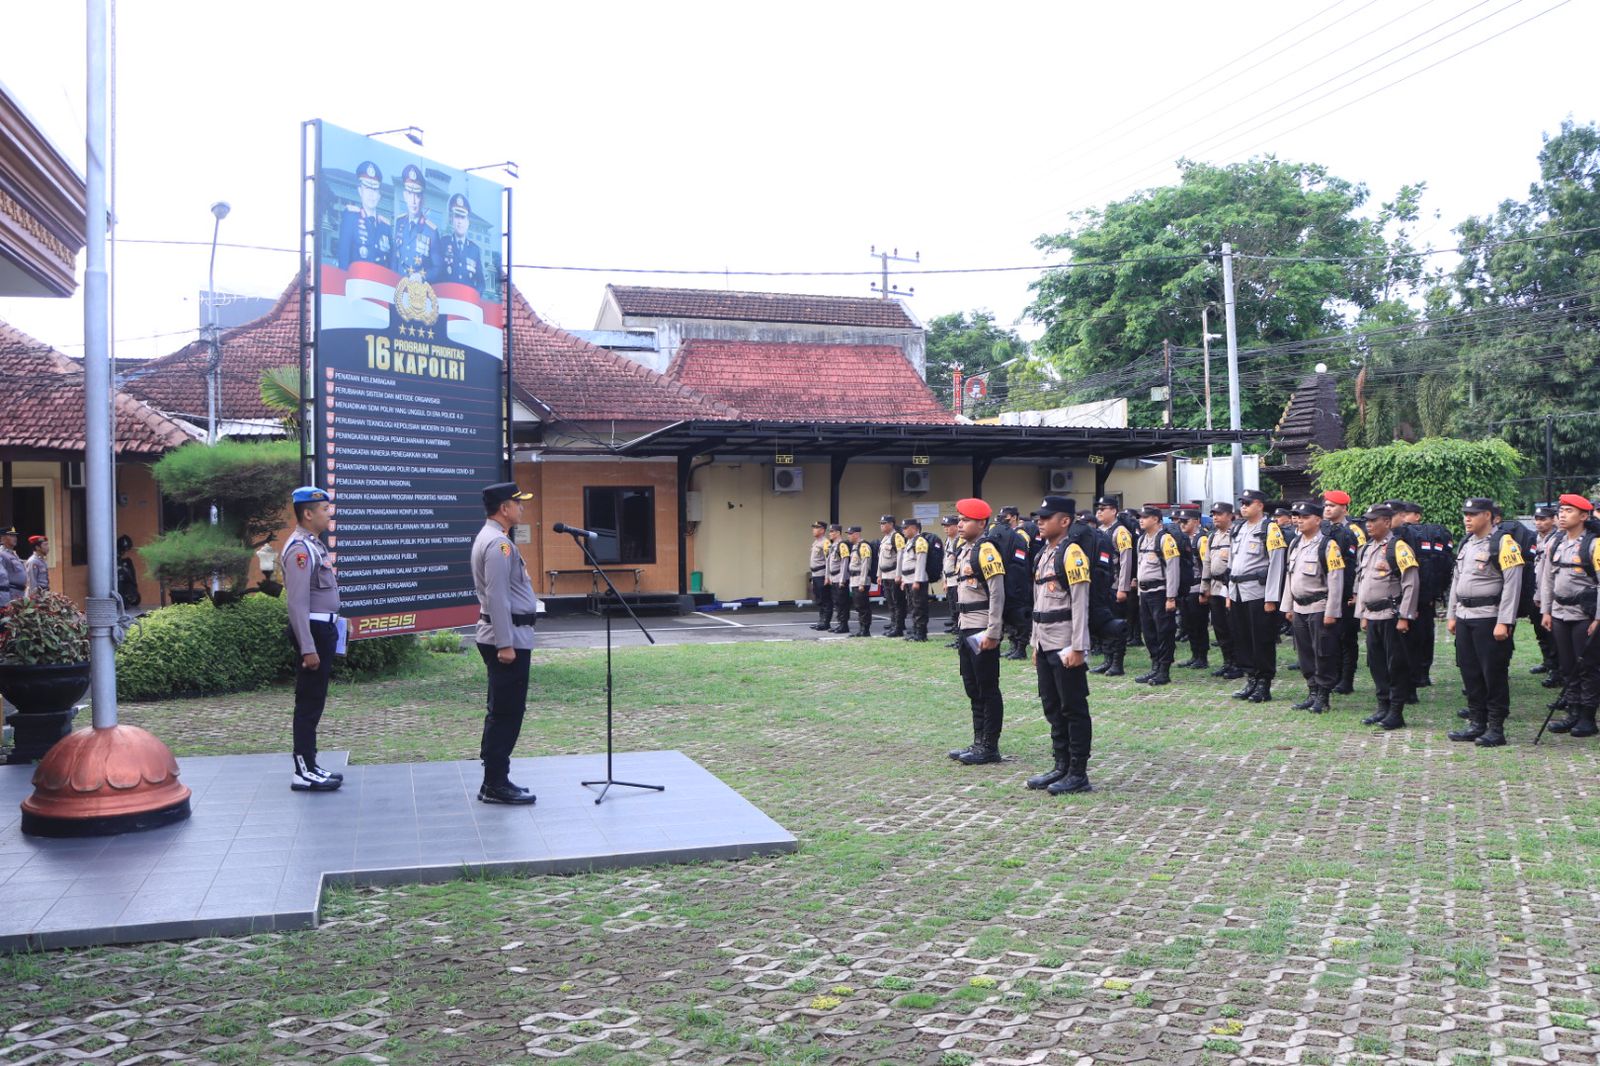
{"x": 761, "y": 307}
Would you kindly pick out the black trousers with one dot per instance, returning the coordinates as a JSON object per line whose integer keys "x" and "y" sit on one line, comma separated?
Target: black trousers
{"x": 1580, "y": 662}
{"x": 1317, "y": 646}
{"x": 1159, "y": 625}
{"x": 1064, "y": 692}
{"x": 1423, "y": 637}
{"x": 311, "y": 690}
{"x": 1547, "y": 644}
{"x": 1349, "y": 628}
{"x": 1131, "y": 613}
{"x": 841, "y": 606}
{"x": 1015, "y": 622}
{"x": 950, "y": 600}
{"x": 502, "y": 719}
{"x": 822, "y": 593}
{"x": 1389, "y": 660}
{"x": 1194, "y": 618}
{"x": 1255, "y": 635}
{"x": 1485, "y": 665}
{"x": 916, "y": 610}
{"x": 894, "y": 601}
{"x": 1224, "y": 627}
{"x": 980, "y": 676}
{"x": 862, "y": 599}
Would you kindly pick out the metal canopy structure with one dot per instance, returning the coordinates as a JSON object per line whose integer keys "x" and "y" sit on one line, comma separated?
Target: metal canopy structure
{"x": 981, "y": 445}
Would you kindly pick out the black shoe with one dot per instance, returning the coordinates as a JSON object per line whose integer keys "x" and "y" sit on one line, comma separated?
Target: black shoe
{"x": 512, "y": 784}
{"x": 1116, "y": 668}
{"x": 1102, "y": 666}
{"x": 1470, "y": 731}
{"x": 980, "y": 755}
{"x": 1263, "y": 692}
{"x": 1551, "y": 681}
{"x": 1188, "y": 664}
{"x": 1493, "y": 737}
{"x": 841, "y": 630}
{"x": 1465, "y": 714}
{"x": 1319, "y": 702}
{"x": 1248, "y": 690}
{"x": 957, "y": 753}
{"x": 1222, "y": 671}
{"x": 1144, "y": 678}
{"x": 920, "y": 636}
{"x": 1199, "y": 664}
{"x": 1049, "y": 777}
{"x": 1076, "y": 780}
{"x": 1395, "y": 720}
{"x": 1586, "y": 726}
{"x": 307, "y": 778}
{"x": 1542, "y": 668}
{"x": 1305, "y": 704}
{"x": 954, "y": 643}
{"x": 1234, "y": 673}
{"x": 1378, "y": 715}
{"x": 1344, "y": 688}
{"x": 1016, "y": 654}
{"x": 1161, "y": 676}
{"x": 505, "y": 793}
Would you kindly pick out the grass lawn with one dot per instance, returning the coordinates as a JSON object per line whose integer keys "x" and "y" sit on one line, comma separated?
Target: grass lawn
{"x": 1247, "y": 883}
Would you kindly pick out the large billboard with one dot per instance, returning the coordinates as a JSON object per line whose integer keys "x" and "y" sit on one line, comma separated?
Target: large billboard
{"x": 407, "y": 376}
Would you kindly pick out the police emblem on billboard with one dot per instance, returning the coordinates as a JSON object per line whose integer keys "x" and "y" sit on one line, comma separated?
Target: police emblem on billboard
{"x": 415, "y": 300}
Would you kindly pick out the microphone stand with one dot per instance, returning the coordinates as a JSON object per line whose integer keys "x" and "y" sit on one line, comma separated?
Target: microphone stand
{"x": 610, "y": 779}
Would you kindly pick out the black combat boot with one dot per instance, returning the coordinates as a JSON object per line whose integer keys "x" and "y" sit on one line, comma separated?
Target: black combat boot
{"x": 1566, "y": 724}
{"x": 1161, "y": 676}
{"x": 1378, "y": 715}
{"x": 1495, "y": 735}
{"x": 1319, "y": 703}
{"x": 1222, "y": 671}
{"x": 840, "y": 629}
{"x": 1116, "y": 664}
{"x": 1476, "y": 727}
{"x": 1144, "y": 678}
{"x": 1248, "y": 690}
{"x": 1395, "y": 719}
{"x": 1542, "y": 668}
{"x": 986, "y": 751}
{"x": 1076, "y": 779}
{"x": 1051, "y": 776}
{"x": 1263, "y": 692}
{"x": 1016, "y": 651}
{"x": 955, "y": 642}
{"x": 1465, "y": 714}
{"x": 977, "y": 733}
{"x": 1104, "y": 664}
{"x": 1586, "y": 726}
{"x": 1203, "y": 662}
{"x": 1552, "y": 680}
{"x": 1188, "y": 664}
{"x": 1305, "y": 704}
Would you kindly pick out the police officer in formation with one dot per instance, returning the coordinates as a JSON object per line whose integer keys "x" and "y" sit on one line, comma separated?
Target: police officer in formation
{"x": 1122, "y": 565}
{"x": 1351, "y": 538}
{"x": 1060, "y": 637}
{"x": 1569, "y": 598}
{"x": 838, "y": 578}
{"x": 1429, "y": 542}
{"x": 13, "y": 575}
{"x": 951, "y": 536}
{"x": 365, "y": 235}
{"x": 460, "y": 259}
{"x": 1388, "y": 589}
{"x": 1192, "y": 608}
{"x": 981, "y": 607}
{"x": 1215, "y": 570}
{"x": 914, "y": 581}
{"x": 891, "y": 542}
{"x": 1017, "y": 546}
{"x": 861, "y": 577}
{"x": 1481, "y": 613}
{"x": 1545, "y": 533}
{"x": 508, "y": 608}
{"x": 1157, "y": 574}
{"x": 311, "y": 589}
{"x": 817, "y": 575}
{"x": 37, "y": 569}
{"x": 1313, "y": 597}
{"x": 1258, "y": 561}
{"x": 416, "y": 238}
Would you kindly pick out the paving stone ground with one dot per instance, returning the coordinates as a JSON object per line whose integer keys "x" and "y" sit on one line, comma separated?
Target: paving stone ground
{"x": 1247, "y": 885}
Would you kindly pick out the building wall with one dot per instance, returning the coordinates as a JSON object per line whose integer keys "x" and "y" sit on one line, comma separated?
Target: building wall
{"x": 558, "y": 487}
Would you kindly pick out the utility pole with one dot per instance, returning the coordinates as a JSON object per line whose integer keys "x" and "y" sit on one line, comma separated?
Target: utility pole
{"x": 1549, "y": 455}
{"x": 883, "y": 289}
{"x": 1206, "y": 337}
{"x": 1232, "y": 332}
{"x": 1172, "y": 459}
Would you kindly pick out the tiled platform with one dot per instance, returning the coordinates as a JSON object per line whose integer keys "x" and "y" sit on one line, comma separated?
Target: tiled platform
{"x": 254, "y": 856}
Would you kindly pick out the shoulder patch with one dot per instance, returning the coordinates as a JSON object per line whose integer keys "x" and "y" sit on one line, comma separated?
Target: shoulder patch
{"x": 1594, "y": 555}
{"x": 1333, "y": 555}
{"x": 1361, "y": 537}
{"x": 505, "y": 548}
{"x": 1204, "y": 546}
{"x": 920, "y": 545}
{"x": 1124, "y": 539}
{"x": 1404, "y": 557}
{"x": 300, "y": 559}
{"x": 1076, "y": 564}
{"x": 1274, "y": 537}
{"x": 1169, "y": 546}
{"x": 1510, "y": 553}
{"x": 899, "y": 540}
{"x": 990, "y": 565}
{"x": 865, "y": 551}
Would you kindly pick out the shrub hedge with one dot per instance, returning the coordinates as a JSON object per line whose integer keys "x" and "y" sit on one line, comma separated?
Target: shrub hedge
{"x": 1437, "y": 473}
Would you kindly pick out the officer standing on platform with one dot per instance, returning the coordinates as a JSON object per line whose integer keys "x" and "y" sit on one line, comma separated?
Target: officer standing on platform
{"x": 861, "y": 577}
{"x": 1192, "y": 609}
{"x": 1061, "y": 577}
{"x": 416, "y": 238}
{"x": 364, "y": 234}
{"x": 1388, "y": 587}
{"x": 914, "y": 581}
{"x": 37, "y": 569}
{"x": 890, "y": 545}
{"x": 1105, "y": 513}
{"x": 1351, "y": 539}
{"x": 1569, "y": 593}
{"x": 1158, "y": 595}
{"x": 951, "y": 539}
{"x": 817, "y": 575}
{"x": 507, "y": 611}
{"x": 1544, "y": 528}
{"x": 312, "y": 592}
{"x": 1214, "y": 573}
{"x": 981, "y": 586}
{"x": 1258, "y": 550}
{"x": 1314, "y": 595}
{"x": 1485, "y": 595}
{"x": 13, "y": 576}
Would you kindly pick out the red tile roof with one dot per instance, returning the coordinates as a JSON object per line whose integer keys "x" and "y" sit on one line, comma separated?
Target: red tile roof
{"x": 582, "y": 382}
{"x": 814, "y": 382}
{"x": 42, "y": 404}
{"x": 650, "y": 302}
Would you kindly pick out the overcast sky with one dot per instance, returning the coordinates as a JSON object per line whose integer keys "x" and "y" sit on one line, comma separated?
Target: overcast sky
{"x": 749, "y": 136}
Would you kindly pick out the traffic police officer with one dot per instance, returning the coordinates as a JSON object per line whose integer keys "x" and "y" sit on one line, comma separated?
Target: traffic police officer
{"x": 1061, "y": 578}
{"x": 416, "y": 239}
{"x": 861, "y": 575}
{"x": 365, "y": 235}
{"x": 1105, "y": 513}
{"x": 1387, "y": 592}
{"x": 508, "y": 608}
{"x": 841, "y": 583}
{"x": 1570, "y": 613}
{"x": 817, "y": 575}
{"x": 1544, "y": 528}
{"x": 890, "y": 544}
{"x": 1258, "y": 550}
{"x": 914, "y": 580}
{"x": 1314, "y": 598}
{"x": 1192, "y": 608}
{"x": 1481, "y": 612}
{"x": 1214, "y": 574}
{"x": 951, "y": 539}
{"x": 13, "y": 575}
{"x": 311, "y": 588}
{"x": 460, "y": 259}
{"x": 1336, "y": 524}
{"x": 1157, "y": 575}
{"x": 981, "y": 587}
{"x": 37, "y": 569}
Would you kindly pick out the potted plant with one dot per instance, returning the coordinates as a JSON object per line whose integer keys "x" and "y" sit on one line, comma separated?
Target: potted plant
{"x": 44, "y": 670}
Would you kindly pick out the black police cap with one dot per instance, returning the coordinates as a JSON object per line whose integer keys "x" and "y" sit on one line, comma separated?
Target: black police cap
{"x": 1105, "y": 501}
{"x": 1477, "y": 505}
{"x": 1185, "y": 514}
{"x": 1379, "y": 510}
{"x": 1150, "y": 510}
{"x": 1253, "y": 494}
{"x": 889, "y": 518}
{"x": 1011, "y": 511}
{"x": 1222, "y": 507}
{"x": 853, "y": 529}
{"x": 1306, "y": 509}
{"x": 501, "y": 491}
{"x": 949, "y": 520}
{"x": 1544, "y": 512}
{"x": 914, "y": 521}
{"x": 1054, "y": 505}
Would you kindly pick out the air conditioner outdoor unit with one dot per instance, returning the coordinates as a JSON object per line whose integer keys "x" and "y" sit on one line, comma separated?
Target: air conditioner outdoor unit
{"x": 788, "y": 479}
{"x": 915, "y": 479}
{"x": 1060, "y": 481}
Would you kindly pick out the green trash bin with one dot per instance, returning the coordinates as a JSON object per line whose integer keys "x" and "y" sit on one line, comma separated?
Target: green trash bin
{"x": 695, "y": 578}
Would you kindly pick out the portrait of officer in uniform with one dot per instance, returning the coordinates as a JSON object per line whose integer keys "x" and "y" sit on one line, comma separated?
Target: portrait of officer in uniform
{"x": 460, "y": 259}
{"x": 416, "y": 239}
{"x": 365, "y": 235}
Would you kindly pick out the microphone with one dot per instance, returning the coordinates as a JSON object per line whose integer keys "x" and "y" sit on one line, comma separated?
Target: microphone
{"x": 562, "y": 527}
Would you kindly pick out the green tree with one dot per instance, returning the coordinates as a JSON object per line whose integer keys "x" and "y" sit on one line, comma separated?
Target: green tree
{"x": 1104, "y": 326}
{"x": 975, "y": 343}
{"x": 1437, "y": 473}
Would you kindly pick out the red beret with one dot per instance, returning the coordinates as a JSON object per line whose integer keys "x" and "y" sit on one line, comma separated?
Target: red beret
{"x": 35, "y": 539}
{"x": 973, "y": 508}
{"x": 1335, "y": 496}
{"x": 1572, "y": 499}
